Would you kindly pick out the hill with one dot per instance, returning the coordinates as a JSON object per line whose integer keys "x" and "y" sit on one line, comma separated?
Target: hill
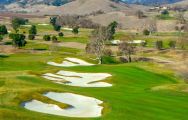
{"x": 152, "y": 2}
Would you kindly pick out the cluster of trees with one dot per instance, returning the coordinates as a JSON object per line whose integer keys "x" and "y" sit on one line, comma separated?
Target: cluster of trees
{"x": 49, "y": 38}
{"x": 17, "y": 22}
{"x": 74, "y": 20}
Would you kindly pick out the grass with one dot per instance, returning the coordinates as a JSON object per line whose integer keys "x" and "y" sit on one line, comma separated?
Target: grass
{"x": 165, "y": 17}
{"x": 130, "y": 98}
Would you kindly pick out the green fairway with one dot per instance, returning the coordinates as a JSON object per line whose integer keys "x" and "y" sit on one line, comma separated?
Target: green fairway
{"x": 130, "y": 98}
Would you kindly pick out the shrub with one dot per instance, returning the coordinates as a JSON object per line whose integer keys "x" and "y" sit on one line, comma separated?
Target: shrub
{"x": 1, "y": 37}
{"x": 165, "y": 12}
{"x": 54, "y": 39}
{"x": 60, "y": 34}
{"x": 3, "y": 30}
{"x": 75, "y": 30}
{"x": 143, "y": 44}
{"x": 46, "y": 37}
{"x": 108, "y": 60}
{"x": 159, "y": 45}
{"x": 57, "y": 27}
{"x": 33, "y": 30}
{"x": 146, "y": 32}
{"x": 172, "y": 44}
{"x": 31, "y": 37}
{"x": 123, "y": 60}
{"x": 108, "y": 52}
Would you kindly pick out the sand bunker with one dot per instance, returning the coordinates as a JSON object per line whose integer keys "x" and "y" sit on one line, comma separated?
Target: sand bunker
{"x": 70, "y": 62}
{"x": 82, "y": 106}
{"x": 26, "y": 25}
{"x": 43, "y": 24}
{"x": 68, "y": 29}
{"x": 79, "y": 79}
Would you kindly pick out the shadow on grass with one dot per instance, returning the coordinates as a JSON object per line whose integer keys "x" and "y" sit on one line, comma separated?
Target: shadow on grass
{"x": 3, "y": 56}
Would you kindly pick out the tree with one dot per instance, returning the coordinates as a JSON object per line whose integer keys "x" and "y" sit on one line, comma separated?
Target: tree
{"x": 57, "y": 27}
{"x": 112, "y": 30}
{"x": 53, "y": 20}
{"x": 16, "y": 22}
{"x": 54, "y": 39}
{"x": 172, "y": 44}
{"x": 96, "y": 44}
{"x": 1, "y": 37}
{"x": 127, "y": 49}
{"x": 60, "y": 34}
{"x": 146, "y": 32}
{"x": 31, "y": 37}
{"x": 139, "y": 14}
{"x": 18, "y": 40}
{"x": 165, "y": 12}
{"x": 180, "y": 17}
{"x": 159, "y": 45}
{"x": 75, "y": 30}
{"x": 152, "y": 26}
{"x": 182, "y": 41}
{"x": 46, "y": 37}
{"x": 33, "y": 30}
{"x": 3, "y": 30}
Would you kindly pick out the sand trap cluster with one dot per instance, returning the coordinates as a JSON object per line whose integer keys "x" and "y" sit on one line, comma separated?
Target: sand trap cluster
{"x": 81, "y": 106}
{"x": 79, "y": 79}
{"x": 70, "y": 62}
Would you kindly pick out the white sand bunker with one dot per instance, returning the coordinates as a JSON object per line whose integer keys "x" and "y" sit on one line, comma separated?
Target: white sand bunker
{"x": 68, "y": 29}
{"x": 43, "y": 24}
{"x": 70, "y": 62}
{"x": 82, "y": 106}
{"x": 79, "y": 79}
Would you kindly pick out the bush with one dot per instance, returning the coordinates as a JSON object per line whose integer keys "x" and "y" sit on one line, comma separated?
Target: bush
{"x": 54, "y": 39}
{"x": 46, "y": 37}
{"x": 31, "y": 37}
{"x": 3, "y": 30}
{"x": 108, "y": 52}
{"x": 144, "y": 44}
{"x": 60, "y": 34}
{"x": 1, "y": 37}
{"x": 165, "y": 12}
{"x": 159, "y": 45}
{"x": 146, "y": 32}
{"x": 108, "y": 60}
{"x": 123, "y": 60}
{"x": 172, "y": 44}
{"x": 33, "y": 30}
{"x": 57, "y": 27}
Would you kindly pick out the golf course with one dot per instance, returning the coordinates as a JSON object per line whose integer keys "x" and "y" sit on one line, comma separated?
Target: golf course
{"x": 93, "y": 60}
{"x": 130, "y": 97}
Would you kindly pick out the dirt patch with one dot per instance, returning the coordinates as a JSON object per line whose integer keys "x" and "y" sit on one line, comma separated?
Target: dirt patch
{"x": 76, "y": 45}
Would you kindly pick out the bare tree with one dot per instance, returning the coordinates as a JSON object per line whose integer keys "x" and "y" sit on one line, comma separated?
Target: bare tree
{"x": 152, "y": 25}
{"x": 127, "y": 49}
{"x": 139, "y": 14}
{"x": 97, "y": 42}
{"x": 180, "y": 17}
{"x": 183, "y": 41}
